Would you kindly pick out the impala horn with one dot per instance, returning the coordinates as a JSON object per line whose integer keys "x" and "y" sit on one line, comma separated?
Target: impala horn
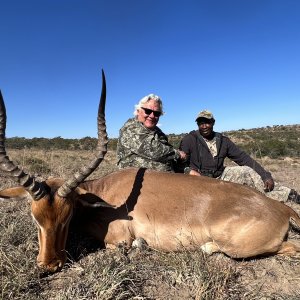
{"x": 35, "y": 188}
{"x": 85, "y": 171}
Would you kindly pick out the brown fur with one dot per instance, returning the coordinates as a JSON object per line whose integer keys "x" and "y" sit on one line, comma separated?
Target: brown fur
{"x": 169, "y": 211}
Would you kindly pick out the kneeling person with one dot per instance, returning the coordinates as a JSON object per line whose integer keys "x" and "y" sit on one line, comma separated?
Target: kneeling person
{"x": 207, "y": 150}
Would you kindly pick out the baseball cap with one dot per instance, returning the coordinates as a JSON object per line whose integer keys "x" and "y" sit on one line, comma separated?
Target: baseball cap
{"x": 205, "y": 114}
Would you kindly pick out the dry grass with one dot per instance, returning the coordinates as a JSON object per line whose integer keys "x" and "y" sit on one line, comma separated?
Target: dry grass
{"x": 92, "y": 273}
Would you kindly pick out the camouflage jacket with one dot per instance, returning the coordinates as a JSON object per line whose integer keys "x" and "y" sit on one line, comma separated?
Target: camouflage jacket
{"x": 141, "y": 147}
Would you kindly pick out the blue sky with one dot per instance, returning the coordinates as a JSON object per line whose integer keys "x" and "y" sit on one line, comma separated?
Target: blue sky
{"x": 239, "y": 59}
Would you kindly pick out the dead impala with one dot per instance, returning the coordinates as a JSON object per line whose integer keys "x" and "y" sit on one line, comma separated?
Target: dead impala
{"x": 169, "y": 211}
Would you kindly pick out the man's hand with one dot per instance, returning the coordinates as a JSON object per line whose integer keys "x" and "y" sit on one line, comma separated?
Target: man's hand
{"x": 182, "y": 154}
{"x": 269, "y": 185}
{"x": 195, "y": 173}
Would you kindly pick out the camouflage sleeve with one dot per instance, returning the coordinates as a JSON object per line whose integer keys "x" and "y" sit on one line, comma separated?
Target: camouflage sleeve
{"x": 147, "y": 143}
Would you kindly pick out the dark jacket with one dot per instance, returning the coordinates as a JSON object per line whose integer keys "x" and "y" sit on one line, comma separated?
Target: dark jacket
{"x": 201, "y": 160}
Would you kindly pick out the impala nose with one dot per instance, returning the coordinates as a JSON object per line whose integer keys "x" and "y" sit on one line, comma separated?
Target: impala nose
{"x": 51, "y": 266}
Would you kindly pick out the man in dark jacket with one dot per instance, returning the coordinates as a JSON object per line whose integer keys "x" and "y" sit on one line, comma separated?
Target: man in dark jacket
{"x": 207, "y": 150}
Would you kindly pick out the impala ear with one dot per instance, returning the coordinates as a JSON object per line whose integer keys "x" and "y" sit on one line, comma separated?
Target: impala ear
{"x": 91, "y": 200}
{"x": 15, "y": 193}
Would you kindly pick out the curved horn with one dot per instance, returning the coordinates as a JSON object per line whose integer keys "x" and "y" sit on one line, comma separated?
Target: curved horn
{"x": 35, "y": 188}
{"x": 85, "y": 171}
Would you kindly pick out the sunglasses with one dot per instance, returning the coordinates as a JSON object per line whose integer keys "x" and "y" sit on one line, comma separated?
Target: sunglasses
{"x": 148, "y": 112}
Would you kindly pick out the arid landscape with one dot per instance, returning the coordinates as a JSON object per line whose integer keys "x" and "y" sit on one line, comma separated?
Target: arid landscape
{"x": 94, "y": 273}
{"x": 74, "y": 75}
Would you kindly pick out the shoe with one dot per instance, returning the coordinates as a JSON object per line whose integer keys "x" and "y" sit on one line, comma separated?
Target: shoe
{"x": 294, "y": 196}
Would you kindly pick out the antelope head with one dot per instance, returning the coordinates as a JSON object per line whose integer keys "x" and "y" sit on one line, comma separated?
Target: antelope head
{"x": 52, "y": 201}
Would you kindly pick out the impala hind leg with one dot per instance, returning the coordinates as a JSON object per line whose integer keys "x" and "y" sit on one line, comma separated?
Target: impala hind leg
{"x": 289, "y": 248}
